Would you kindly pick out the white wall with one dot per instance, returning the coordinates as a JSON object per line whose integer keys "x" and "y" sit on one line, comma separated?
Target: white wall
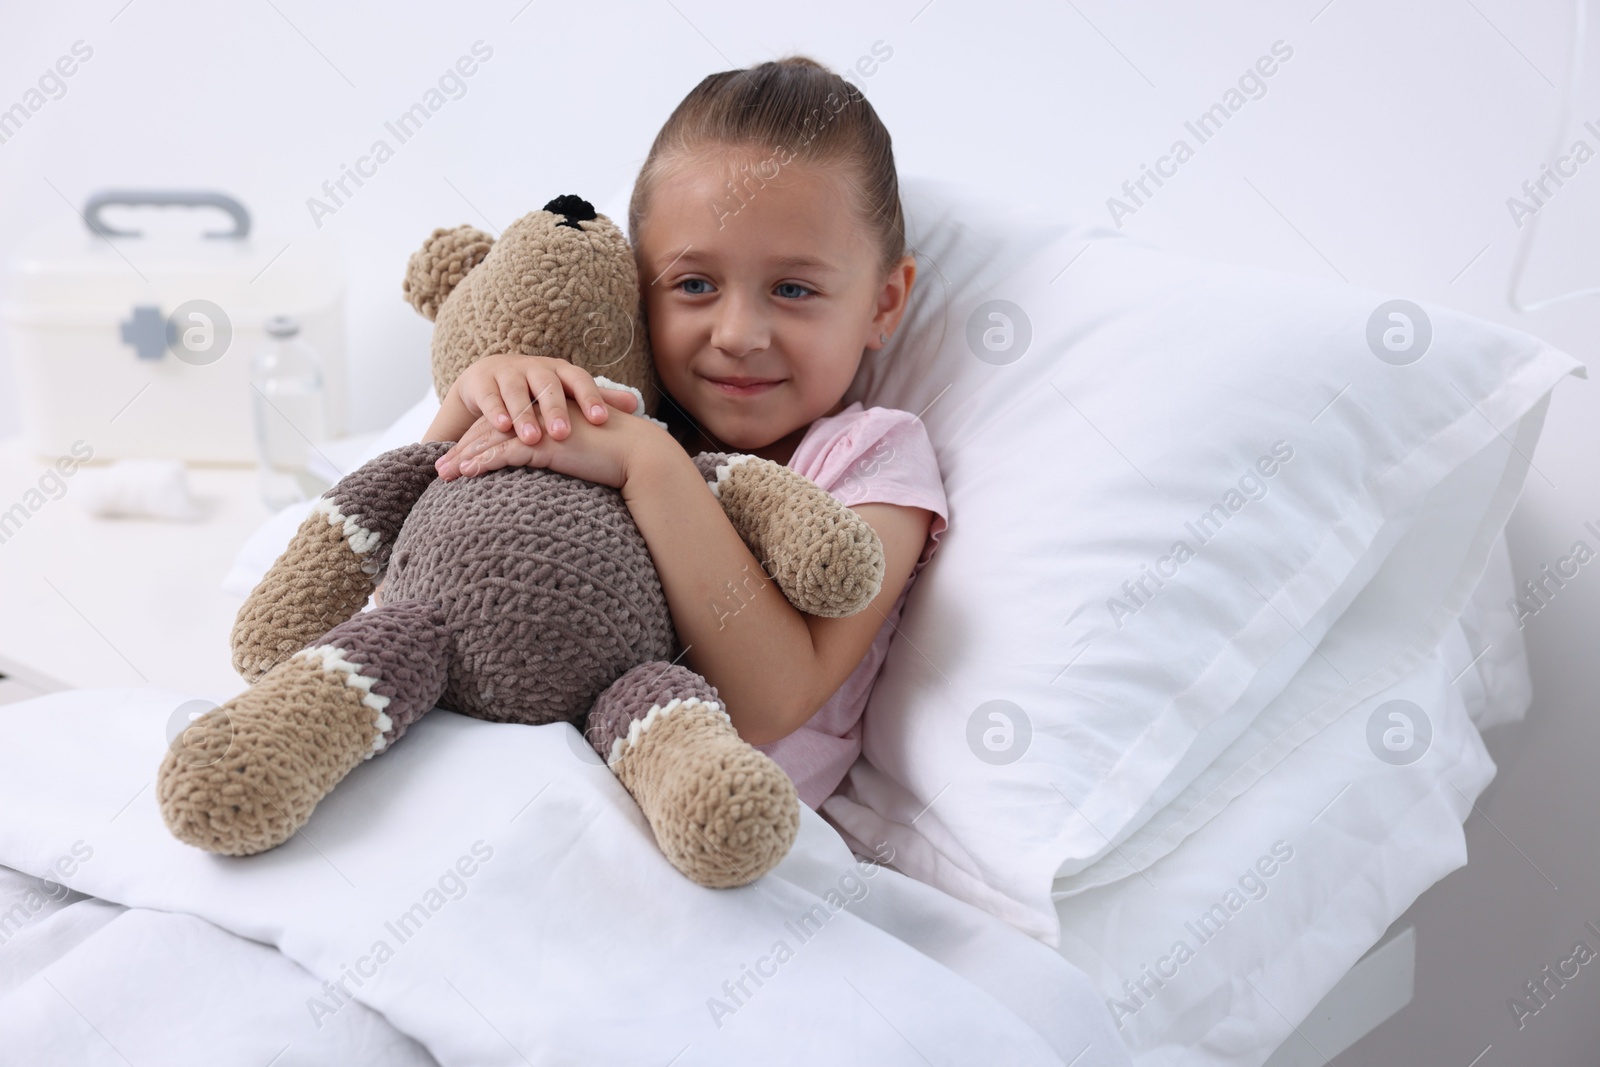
{"x": 1382, "y": 153}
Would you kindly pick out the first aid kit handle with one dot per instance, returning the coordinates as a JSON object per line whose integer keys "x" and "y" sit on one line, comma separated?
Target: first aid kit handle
{"x": 164, "y": 198}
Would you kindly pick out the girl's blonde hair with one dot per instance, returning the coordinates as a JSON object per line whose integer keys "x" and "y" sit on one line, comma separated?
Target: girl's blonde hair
{"x": 786, "y": 110}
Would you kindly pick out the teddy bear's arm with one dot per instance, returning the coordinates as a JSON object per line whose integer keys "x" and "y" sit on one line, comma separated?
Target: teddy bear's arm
{"x": 827, "y": 559}
{"x": 334, "y": 562}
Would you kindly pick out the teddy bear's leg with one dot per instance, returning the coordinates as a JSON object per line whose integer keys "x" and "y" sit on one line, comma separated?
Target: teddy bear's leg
{"x": 335, "y": 559}
{"x": 723, "y": 813}
{"x": 247, "y": 774}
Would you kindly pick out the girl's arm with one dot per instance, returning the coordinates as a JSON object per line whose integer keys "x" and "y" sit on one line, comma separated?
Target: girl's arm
{"x": 773, "y": 666}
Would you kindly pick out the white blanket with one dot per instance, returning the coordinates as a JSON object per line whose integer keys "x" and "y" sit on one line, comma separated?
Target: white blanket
{"x": 170, "y": 988}
{"x": 493, "y": 892}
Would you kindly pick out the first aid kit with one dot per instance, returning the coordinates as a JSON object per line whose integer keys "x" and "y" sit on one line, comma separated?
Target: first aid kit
{"x": 139, "y": 345}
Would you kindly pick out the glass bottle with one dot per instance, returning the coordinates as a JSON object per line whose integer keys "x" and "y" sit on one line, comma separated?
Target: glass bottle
{"x": 289, "y": 402}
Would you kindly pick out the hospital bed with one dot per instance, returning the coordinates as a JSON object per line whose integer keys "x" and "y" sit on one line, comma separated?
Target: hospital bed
{"x": 1277, "y": 865}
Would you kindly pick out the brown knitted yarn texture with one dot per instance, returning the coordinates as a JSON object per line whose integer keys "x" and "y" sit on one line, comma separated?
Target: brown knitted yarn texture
{"x": 723, "y": 813}
{"x": 827, "y": 559}
{"x": 438, "y": 267}
{"x": 248, "y": 773}
{"x": 631, "y": 696}
{"x": 543, "y": 289}
{"x": 316, "y": 584}
{"x": 547, "y": 587}
{"x": 321, "y": 580}
{"x": 721, "y": 817}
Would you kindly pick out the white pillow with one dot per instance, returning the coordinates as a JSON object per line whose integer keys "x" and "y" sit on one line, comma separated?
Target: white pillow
{"x": 1379, "y": 639}
{"x": 1498, "y": 689}
{"x": 1129, "y": 391}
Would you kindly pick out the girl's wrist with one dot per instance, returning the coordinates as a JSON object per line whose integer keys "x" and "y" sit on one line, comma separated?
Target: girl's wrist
{"x": 656, "y": 463}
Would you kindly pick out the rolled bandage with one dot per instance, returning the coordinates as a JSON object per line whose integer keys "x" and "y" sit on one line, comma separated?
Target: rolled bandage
{"x": 137, "y": 489}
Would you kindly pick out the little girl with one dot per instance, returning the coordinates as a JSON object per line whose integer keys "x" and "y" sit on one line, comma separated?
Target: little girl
{"x": 767, "y": 226}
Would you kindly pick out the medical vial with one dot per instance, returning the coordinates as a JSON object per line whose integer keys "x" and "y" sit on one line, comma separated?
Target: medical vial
{"x": 289, "y": 401}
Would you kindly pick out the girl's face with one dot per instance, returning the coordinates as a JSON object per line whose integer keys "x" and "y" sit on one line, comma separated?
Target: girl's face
{"x": 759, "y": 312}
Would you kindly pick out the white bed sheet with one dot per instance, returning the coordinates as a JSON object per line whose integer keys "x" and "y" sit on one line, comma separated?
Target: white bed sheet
{"x": 573, "y": 942}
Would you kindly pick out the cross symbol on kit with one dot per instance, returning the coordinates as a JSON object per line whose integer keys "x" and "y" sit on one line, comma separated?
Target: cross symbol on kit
{"x": 146, "y": 331}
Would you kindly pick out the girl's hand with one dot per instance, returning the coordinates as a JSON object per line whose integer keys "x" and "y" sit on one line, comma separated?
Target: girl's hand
{"x": 600, "y": 454}
{"x": 506, "y": 389}
{"x": 463, "y": 456}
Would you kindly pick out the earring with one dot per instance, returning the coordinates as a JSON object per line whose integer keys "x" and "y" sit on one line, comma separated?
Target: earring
{"x": 883, "y": 338}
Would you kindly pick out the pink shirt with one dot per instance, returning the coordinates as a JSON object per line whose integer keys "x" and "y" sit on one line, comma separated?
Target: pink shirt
{"x": 860, "y": 456}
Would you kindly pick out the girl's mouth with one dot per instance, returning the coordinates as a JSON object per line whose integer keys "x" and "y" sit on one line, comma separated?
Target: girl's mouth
{"x": 743, "y": 386}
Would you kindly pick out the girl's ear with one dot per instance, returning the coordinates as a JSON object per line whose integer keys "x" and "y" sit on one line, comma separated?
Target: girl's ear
{"x": 893, "y": 299}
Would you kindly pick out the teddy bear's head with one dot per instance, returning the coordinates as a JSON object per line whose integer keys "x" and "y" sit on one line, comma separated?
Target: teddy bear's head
{"x": 559, "y": 282}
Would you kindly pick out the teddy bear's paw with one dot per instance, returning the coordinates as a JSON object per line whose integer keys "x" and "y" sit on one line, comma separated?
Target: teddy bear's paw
{"x": 841, "y": 570}
{"x": 826, "y": 558}
{"x": 244, "y": 777}
{"x": 723, "y": 813}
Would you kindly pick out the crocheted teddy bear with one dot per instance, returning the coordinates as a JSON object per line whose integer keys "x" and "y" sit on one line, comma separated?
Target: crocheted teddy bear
{"x": 521, "y": 595}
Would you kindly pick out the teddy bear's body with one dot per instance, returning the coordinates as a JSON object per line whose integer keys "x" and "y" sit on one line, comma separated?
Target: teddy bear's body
{"x": 546, "y": 587}
{"x": 521, "y": 596}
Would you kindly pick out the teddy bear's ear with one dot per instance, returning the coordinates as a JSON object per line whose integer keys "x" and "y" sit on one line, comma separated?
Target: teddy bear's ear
{"x": 441, "y": 263}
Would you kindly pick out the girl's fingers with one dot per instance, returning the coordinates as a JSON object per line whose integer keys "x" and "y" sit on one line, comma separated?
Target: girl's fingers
{"x": 478, "y": 436}
{"x": 481, "y": 436}
{"x": 527, "y": 398}
{"x": 621, "y": 399}
{"x": 513, "y": 386}
{"x": 447, "y": 465}
{"x": 491, "y": 407}
{"x": 580, "y": 383}
{"x": 591, "y": 398}
{"x": 505, "y": 454}
{"x": 552, "y": 400}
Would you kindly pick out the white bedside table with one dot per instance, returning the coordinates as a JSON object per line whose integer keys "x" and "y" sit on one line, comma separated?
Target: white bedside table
{"x": 91, "y": 602}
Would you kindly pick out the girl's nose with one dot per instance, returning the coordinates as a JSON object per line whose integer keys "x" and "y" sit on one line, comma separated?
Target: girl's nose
{"x": 739, "y": 328}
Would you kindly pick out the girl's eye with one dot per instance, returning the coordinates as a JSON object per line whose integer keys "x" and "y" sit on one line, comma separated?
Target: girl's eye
{"x": 793, "y": 295}
{"x": 695, "y": 281}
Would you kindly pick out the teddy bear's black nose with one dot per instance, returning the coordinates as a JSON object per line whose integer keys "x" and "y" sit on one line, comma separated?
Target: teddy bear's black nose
{"x": 575, "y": 208}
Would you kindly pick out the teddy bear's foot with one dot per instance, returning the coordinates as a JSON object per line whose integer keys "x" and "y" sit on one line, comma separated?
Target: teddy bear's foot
{"x": 247, "y": 775}
{"x": 723, "y": 813}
